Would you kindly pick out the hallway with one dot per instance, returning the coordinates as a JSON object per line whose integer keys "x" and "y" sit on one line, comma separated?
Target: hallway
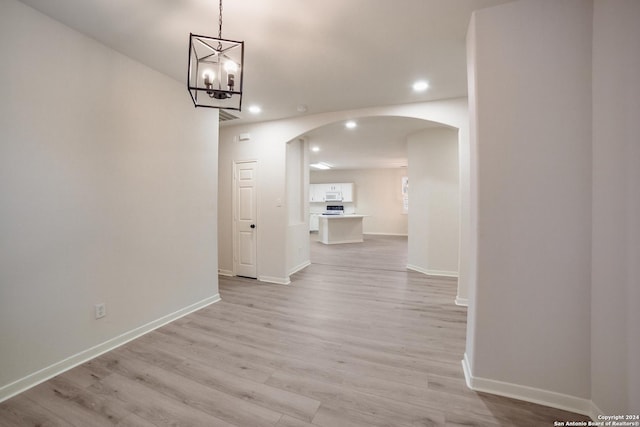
{"x": 355, "y": 340}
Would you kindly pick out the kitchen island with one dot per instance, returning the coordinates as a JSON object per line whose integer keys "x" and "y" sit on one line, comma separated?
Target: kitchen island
{"x": 334, "y": 229}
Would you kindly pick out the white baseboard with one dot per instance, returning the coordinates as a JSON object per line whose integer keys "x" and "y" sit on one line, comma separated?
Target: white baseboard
{"x": 464, "y": 302}
{"x": 70, "y": 362}
{"x": 440, "y": 273}
{"x": 466, "y": 369}
{"x": 339, "y": 242}
{"x": 268, "y": 279}
{"x": 595, "y": 412}
{"x": 528, "y": 394}
{"x": 305, "y": 264}
{"x": 385, "y": 234}
{"x": 223, "y": 272}
{"x": 276, "y": 280}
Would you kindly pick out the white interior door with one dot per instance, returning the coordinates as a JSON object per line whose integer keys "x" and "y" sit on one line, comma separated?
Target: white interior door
{"x": 245, "y": 220}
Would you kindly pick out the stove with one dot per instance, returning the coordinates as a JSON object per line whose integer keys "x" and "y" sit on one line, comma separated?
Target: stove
{"x": 334, "y": 210}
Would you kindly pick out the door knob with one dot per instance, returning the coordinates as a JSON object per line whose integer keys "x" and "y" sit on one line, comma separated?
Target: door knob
{"x": 252, "y": 226}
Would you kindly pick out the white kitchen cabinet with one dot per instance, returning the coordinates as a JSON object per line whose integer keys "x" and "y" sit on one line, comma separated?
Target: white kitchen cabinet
{"x": 318, "y": 192}
{"x": 314, "y": 222}
{"x": 312, "y": 192}
{"x": 347, "y": 192}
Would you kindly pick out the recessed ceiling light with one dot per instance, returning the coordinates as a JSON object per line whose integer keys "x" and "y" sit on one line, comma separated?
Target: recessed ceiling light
{"x": 255, "y": 109}
{"x": 315, "y": 149}
{"x": 420, "y": 86}
{"x": 321, "y": 165}
{"x": 351, "y": 124}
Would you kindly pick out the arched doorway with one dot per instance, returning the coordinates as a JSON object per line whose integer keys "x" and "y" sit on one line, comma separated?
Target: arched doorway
{"x": 371, "y": 157}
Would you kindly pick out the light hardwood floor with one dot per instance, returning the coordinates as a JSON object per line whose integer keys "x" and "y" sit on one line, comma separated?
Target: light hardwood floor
{"x": 356, "y": 340}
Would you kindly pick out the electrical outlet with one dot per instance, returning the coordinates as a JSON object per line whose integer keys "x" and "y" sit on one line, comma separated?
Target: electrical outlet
{"x": 101, "y": 310}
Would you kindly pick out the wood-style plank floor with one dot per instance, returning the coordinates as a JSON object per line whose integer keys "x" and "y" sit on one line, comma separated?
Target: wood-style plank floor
{"x": 356, "y": 340}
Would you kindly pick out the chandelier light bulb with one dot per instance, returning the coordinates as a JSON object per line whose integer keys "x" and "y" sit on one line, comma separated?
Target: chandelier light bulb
{"x": 230, "y": 67}
{"x": 208, "y": 76}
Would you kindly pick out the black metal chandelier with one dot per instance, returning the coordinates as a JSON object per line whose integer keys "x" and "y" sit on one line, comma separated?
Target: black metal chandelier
{"x": 215, "y": 70}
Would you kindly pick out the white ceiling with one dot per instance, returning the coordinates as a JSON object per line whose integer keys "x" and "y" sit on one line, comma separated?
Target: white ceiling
{"x": 329, "y": 55}
{"x": 375, "y": 143}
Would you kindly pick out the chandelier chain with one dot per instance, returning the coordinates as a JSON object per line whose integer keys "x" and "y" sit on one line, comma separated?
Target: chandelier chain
{"x": 220, "y": 22}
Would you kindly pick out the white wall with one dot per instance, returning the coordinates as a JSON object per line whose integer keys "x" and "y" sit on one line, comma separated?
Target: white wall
{"x": 108, "y": 186}
{"x": 615, "y": 291}
{"x": 378, "y": 194}
{"x": 528, "y": 332}
{"x": 298, "y": 250}
{"x": 472, "y": 152}
{"x": 269, "y": 151}
{"x": 267, "y": 145}
{"x": 434, "y": 201}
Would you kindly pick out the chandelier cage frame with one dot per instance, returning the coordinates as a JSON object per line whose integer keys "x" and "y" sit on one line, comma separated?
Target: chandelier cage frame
{"x": 213, "y": 80}
{"x": 208, "y": 79}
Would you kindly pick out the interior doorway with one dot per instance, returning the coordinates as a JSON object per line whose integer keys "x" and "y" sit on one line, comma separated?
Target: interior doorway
{"x": 245, "y": 224}
{"x": 376, "y": 161}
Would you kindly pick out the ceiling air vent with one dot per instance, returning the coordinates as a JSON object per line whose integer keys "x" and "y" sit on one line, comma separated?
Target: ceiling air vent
{"x": 226, "y": 116}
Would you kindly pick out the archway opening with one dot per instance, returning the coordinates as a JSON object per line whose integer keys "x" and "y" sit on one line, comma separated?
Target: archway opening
{"x": 377, "y": 158}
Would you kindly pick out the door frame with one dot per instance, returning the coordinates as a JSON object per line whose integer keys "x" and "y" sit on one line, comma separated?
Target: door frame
{"x": 234, "y": 200}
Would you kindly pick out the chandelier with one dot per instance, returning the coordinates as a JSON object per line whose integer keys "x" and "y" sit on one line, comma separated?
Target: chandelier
{"x": 215, "y": 70}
